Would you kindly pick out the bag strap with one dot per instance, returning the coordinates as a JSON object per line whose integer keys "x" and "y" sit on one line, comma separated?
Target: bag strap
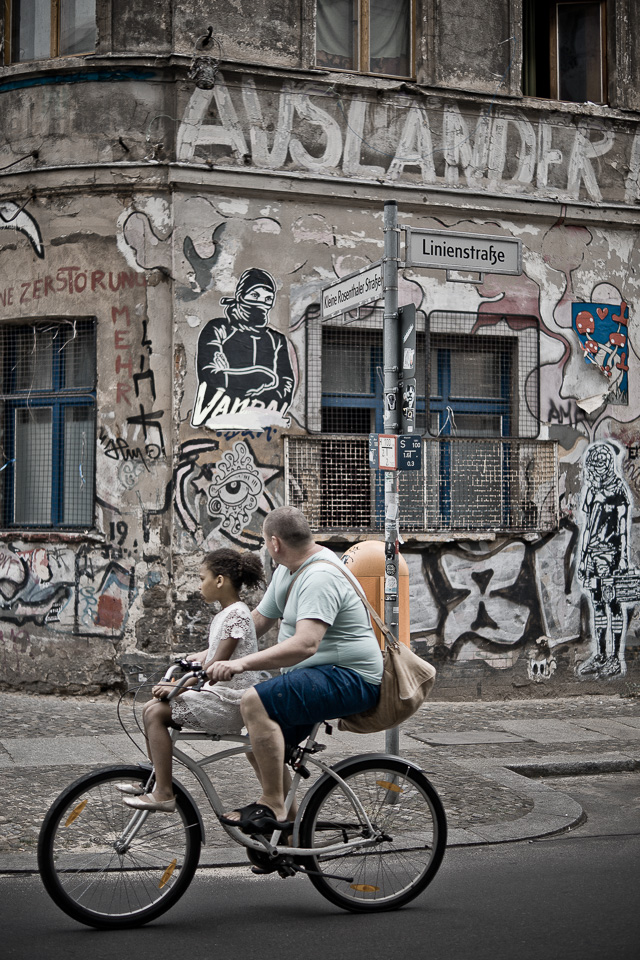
{"x": 373, "y": 613}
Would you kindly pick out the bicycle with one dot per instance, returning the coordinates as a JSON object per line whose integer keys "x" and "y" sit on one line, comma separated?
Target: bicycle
{"x": 370, "y": 833}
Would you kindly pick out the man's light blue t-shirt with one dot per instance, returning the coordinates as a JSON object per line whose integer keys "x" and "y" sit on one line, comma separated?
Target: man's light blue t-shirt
{"x": 323, "y": 593}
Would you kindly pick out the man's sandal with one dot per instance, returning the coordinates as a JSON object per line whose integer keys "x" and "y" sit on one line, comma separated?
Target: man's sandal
{"x": 256, "y": 818}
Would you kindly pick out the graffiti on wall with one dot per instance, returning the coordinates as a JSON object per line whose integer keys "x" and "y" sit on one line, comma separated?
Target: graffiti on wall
{"x": 244, "y": 365}
{"x": 603, "y": 566}
{"x": 13, "y": 217}
{"x": 602, "y": 331}
{"x": 323, "y": 131}
{"x": 486, "y": 607}
{"x": 226, "y": 494}
{"x": 64, "y": 590}
{"x": 33, "y": 586}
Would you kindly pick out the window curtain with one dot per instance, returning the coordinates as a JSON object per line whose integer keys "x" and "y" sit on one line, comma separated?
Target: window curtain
{"x": 335, "y": 22}
{"x": 31, "y": 30}
{"x": 390, "y": 30}
{"x": 79, "y": 456}
{"x": 33, "y": 452}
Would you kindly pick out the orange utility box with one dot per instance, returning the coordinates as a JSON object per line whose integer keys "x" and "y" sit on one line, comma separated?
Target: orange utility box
{"x": 366, "y": 561}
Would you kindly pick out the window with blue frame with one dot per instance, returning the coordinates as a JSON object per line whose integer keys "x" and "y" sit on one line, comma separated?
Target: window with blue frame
{"x": 478, "y": 405}
{"x": 48, "y": 397}
{"x": 352, "y": 379}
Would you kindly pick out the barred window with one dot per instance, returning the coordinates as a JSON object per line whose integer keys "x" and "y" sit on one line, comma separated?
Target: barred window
{"x": 477, "y": 408}
{"x": 47, "y": 424}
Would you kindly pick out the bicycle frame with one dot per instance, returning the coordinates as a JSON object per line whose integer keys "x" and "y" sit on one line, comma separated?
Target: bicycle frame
{"x": 261, "y": 843}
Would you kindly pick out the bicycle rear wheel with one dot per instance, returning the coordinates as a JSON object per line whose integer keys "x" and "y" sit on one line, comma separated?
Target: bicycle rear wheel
{"x": 107, "y": 865}
{"x": 408, "y": 818}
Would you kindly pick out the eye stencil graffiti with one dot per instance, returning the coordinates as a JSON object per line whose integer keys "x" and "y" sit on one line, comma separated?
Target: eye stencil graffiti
{"x": 226, "y": 493}
{"x": 236, "y": 488}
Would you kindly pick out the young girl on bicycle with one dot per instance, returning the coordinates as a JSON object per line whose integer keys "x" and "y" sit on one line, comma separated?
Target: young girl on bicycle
{"x": 215, "y": 708}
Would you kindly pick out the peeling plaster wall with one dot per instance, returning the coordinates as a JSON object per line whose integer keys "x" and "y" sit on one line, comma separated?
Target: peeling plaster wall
{"x": 154, "y": 220}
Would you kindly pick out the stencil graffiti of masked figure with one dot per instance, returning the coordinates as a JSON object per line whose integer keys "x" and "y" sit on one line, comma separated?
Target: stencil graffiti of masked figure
{"x": 604, "y": 559}
{"x": 244, "y": 365}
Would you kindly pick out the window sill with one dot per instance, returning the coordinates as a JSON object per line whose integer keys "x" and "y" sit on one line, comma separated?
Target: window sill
{"x": 52, "y": 536}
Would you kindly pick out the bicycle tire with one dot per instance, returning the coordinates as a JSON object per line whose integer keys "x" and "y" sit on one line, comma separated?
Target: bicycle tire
{"x": 90, "y": 879}
{"x": 401, "y": 802}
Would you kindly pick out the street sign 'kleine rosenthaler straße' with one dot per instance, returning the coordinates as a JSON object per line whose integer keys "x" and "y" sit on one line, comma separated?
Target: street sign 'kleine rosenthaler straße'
{"x": 353, "y": 291}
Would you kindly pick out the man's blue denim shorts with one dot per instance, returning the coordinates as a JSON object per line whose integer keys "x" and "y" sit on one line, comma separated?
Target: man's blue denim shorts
{"x": 301, "y": 698}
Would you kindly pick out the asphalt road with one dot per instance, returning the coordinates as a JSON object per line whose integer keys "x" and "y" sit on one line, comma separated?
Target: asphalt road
{"x": 572, "y": 896}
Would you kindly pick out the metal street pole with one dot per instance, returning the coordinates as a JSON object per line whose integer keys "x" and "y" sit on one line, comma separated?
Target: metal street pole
{"x": 391, "y": 357}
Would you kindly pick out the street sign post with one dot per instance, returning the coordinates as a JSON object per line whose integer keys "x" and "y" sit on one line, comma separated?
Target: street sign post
{"x": 356, "y": 290}
{"x": 400, "y": 447}
{"x": 407, "y": 386}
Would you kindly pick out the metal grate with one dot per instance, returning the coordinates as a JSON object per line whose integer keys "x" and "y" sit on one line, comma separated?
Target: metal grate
{"x": 482, "y": 375}
{"x": 47, "y": 423}
{"x": 465, "y": 485}
{"x": 347, "y": 383}
{"x": 477, "y": 375}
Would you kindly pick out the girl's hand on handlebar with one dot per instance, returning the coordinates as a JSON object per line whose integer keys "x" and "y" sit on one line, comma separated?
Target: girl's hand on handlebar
{"x": 161, "y": 690}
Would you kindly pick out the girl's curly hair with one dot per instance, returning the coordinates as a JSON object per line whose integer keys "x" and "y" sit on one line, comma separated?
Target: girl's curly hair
{"x": 243, "y": 569}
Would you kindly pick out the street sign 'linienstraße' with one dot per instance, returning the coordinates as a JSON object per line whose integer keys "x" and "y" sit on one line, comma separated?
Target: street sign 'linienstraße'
{"x": 353, "y": 291}
{"x": 469, "y": 252}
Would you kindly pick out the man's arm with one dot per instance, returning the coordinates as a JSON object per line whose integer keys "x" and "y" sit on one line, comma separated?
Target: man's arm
{"x": 262, "y": 623}
{"x": 302, "y": 645}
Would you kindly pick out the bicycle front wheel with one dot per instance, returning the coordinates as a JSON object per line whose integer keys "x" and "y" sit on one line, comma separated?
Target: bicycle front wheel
{"x": 108, "y": 865}
{"x": 408, "y": 821}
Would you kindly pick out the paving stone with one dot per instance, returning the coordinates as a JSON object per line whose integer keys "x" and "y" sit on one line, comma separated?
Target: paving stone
{"x": 59, "y": 751}
{"x": 466, "y": 749}
{"x": 551, "y": 731}
{"x": 614, "y": 729}
{"x": 460, "y": 738}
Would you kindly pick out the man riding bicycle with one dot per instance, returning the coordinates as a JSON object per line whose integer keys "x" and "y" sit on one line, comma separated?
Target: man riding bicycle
{"x": 327, "y": 653}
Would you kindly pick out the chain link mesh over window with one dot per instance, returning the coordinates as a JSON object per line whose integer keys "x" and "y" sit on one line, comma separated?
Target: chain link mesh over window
{"x": 464, "y": 485}
{"x": 47, "y": 424}
{"x": 477, "y": 408}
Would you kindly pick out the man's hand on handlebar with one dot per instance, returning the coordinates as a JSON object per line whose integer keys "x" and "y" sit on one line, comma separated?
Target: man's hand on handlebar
{"x": 223, "y": 669}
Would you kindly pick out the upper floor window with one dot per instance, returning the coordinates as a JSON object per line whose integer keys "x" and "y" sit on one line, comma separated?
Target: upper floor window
{"x": 565, "y": 50}
{"x": 50, "y": 28}
{"x": 47, "y": 424}
{"x": 368, "y": 36}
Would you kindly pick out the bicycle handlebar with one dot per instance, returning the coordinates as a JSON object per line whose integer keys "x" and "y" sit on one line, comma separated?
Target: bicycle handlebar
{"x": 192, "y": 668}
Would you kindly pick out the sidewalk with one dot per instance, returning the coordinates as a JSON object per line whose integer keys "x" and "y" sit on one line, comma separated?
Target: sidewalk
{"x": 485, "y": 760}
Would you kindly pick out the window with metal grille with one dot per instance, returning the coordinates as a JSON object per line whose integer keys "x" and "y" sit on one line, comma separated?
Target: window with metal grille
{"x": 47, "y": 424}
{"x": 477, "y": 408}
{"x": 483, "y": 376}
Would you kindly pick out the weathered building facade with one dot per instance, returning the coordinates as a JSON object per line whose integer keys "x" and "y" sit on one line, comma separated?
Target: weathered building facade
{"x": 167, "y": 377}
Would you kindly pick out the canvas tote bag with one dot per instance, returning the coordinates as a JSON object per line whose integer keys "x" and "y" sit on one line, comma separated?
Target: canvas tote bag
{"x": 406, "y": 678}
